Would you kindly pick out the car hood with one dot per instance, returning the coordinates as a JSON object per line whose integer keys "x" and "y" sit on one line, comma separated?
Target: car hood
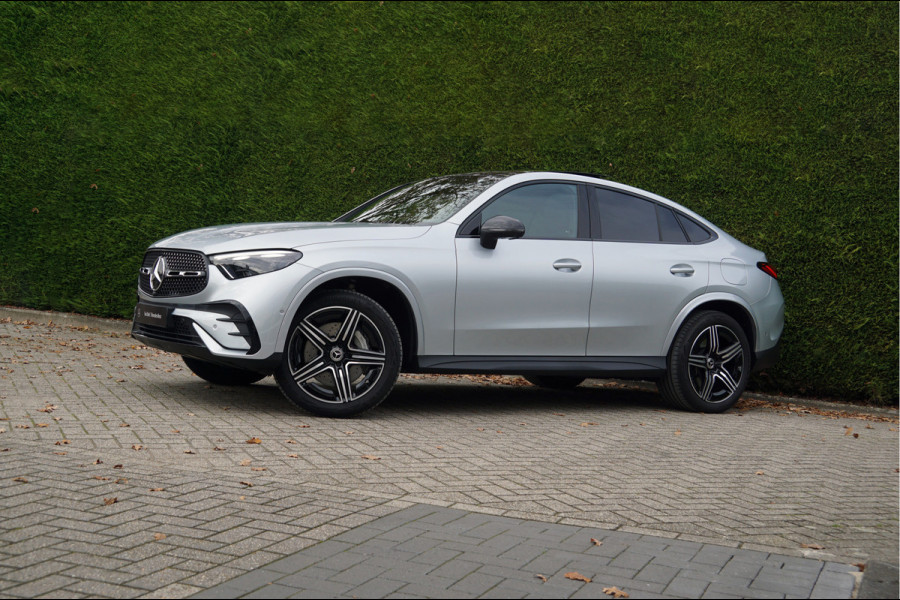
{"x": 252, "y": 236}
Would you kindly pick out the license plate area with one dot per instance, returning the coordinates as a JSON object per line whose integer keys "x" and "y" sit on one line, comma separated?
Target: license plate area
{"x": 152, "y": 314}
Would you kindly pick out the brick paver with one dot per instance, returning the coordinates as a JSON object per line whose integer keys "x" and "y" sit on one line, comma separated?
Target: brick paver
{"x": 91, "y": 416}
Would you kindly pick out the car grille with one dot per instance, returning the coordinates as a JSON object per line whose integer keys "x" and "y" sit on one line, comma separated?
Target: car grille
{"x": 182, "y": 331}
{"x": 175, "y": 285}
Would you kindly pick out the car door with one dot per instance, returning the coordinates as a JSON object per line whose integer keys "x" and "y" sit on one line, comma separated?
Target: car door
{"x": 649, "y": 262}
{"x": 528, "y": 296}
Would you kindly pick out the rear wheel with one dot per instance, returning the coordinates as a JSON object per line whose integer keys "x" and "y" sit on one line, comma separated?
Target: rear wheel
{"x": 342, "y": 356}
{"x": 708, "y": 365}
{"x": 554, "y": 382}
{"x": 219, "y": 374}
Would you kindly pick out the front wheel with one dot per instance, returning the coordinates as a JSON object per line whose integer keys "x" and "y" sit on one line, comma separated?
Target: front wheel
{"x": 708, "y": 365}
{"x": 342, "y": 355}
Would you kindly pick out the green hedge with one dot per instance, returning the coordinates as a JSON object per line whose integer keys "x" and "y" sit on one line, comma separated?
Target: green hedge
{"x": 121, "y": 123}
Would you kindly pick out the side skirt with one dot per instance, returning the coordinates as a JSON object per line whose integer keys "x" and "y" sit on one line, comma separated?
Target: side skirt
{"x": 628, "y": 367}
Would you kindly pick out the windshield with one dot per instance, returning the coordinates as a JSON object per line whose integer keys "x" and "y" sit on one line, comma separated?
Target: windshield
{"x": 426, "y": 202}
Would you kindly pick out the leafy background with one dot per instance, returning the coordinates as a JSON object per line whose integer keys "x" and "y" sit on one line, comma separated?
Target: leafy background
{"x": 121, "y": 123}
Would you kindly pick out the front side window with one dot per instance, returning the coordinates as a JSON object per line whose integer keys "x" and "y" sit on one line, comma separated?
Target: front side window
{"x": 426, "y": 202}
{"x": 548, "y": 210}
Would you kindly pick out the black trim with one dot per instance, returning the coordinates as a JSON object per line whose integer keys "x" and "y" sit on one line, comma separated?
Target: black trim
{"x": 265, "y": 365}
{"x": 766, "y": 358}
{"x": 624, "y": 367}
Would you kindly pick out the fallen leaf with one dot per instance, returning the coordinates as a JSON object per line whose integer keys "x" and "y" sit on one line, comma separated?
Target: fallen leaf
{"x": 860, "y": 566}
{"x": 101, "y": 478}
{"x": 247, "y": 483}
{"x": 121, "y": 480}
{"x": 97, "y": 462}
{"x": 596, "y": 542}
{"x": 615, "y": 592}
{"x": 218, "y": 449}
{"x": 157, "y": 489}
{"x": 136, "y": 447}
{"x": 21, "y": 480}
{"x": 62, "y": 443}
{"x": 43, "y": 425}
{"x": 760, "y": 472}
{"x": 23, "y": 426}
{"x": 293, "y": 456}
{"x": 371, "y": 457}
{"x": 254, "y": 440}
{"x": 349, "y": 432}
{"x": 560, "y": 414}
{"x": 242, "y": 498}
{"x": 189, "y": 452}
{"x": 541, "y": 577}
{"x": 812, "y": 546}
{"x": 588, "y": 424}
{"x": 856, "y": 435}
{"x": 109, "y": 501}
{"x": 176, "y": 431}
{"x": 575, "y": 576}
{"x": 849, "y": 430}
{"x": 159, "y": 536}
{"x": 677, "y": 432}
{"x": 291, "y": 442}
{"x": 124, "y": 425}
{"x": 481, "y": 429}
{"x": 246, "y": 462}
{"x": 60, "y": 453}
{"x": 257, "y": 468}
{"x": 303, "y": 426}
{"x": 117, "y": 466}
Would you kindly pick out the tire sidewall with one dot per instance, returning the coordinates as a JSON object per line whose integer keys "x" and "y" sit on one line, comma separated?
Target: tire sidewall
{"x": 678, "y": 375}
{"x": 393, "y": 356}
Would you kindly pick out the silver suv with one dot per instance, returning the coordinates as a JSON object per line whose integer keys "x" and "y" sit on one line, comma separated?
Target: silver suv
{"x": 555, "y": 276}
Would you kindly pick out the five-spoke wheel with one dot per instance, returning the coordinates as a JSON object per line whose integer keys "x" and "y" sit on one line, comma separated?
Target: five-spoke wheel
{"x": 342, "y": 355}
{"x": 708, "y": 365}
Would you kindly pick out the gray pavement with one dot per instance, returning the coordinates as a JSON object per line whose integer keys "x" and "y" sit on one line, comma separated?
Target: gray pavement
{"x": 122, "y": 475}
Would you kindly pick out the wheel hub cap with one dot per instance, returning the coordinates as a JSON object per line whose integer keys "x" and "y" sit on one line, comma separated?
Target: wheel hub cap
{"x": 336, "y": 354}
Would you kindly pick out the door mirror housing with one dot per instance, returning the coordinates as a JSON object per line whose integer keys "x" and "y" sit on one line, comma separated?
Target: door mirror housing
{"x": 500, "y": 227}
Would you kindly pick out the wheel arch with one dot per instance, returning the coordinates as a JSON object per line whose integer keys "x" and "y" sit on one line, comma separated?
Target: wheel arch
{"x": 733, "y": 306}
{"x": 385, "y": 289}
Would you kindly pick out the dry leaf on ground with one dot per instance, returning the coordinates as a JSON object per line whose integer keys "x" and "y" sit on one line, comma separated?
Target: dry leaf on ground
{"x": 371, "y": 457}
{"x": 575, "y": 576}
{"x": 21, "y": 480}
{"x": 596, "y": 542}
{"x": 159, "y": 536}
{"x": 246, "y": 462}
{"x": 137, "y": 447}
{"x": 157, "y": 489}
{"x": 247, "y": 483}
{"x": 293, "y": 456}
{"x": 254, "y": 440}
{"x": 760, "y": 472}
{"x": 541, "y": 577}
{"x": 109, "y": 501}
{"x": 615, "y": 592}
{"x": 257, "y": 468}
{"x": 812, "y": 546}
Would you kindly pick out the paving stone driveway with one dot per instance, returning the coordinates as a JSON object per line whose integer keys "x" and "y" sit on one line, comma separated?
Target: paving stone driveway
{"x": 121, "y": 475}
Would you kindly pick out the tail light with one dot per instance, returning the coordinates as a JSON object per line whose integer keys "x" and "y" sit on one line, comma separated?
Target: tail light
{"x": 767, "y": 269}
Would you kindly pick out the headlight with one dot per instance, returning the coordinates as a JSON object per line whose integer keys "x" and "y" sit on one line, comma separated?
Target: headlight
{"x": 237, "y": 265}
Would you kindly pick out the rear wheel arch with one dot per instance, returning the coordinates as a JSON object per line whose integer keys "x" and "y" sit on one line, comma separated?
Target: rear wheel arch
{"x": 734, "y": 308}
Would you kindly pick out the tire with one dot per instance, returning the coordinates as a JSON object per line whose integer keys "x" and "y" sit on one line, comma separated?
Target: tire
{"x": 342, "y": 355}
{"x": 708, "y": 364}
{"x": 554, "y": 382}
{"x": 219, "y": 374}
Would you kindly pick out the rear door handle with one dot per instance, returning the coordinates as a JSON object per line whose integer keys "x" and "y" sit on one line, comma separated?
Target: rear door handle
{"x": 567, "y": 265}
{"x": 682, "y": 270}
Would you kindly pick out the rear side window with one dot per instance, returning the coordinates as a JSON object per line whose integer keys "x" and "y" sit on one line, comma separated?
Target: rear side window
{"x": 695, "y": 231}
{"x": 625, "y": 218}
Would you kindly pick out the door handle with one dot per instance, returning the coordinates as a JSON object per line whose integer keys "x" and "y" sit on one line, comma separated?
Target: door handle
{"x": 682, "y": 270}
{"x": 567, "y": 265}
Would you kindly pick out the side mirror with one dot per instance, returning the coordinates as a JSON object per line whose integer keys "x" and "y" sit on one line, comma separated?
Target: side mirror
{"x": 500, "y": 227}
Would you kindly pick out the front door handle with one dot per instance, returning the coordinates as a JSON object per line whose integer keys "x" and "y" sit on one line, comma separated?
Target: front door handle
{"x": 682, "y": 270}
{"x": 567, "y": 265}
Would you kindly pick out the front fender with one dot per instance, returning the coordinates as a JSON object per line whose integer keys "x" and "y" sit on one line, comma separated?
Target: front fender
{"x": 337, "y": 273}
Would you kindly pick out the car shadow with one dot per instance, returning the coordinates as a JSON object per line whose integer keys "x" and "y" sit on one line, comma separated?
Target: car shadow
{"x": 432, "y": 397}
